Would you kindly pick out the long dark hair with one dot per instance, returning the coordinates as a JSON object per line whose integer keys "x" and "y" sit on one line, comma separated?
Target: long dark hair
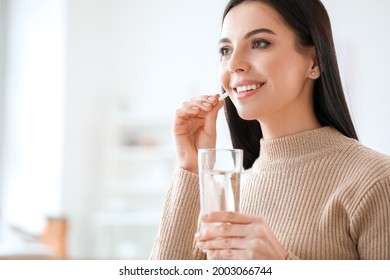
{"x": 310, "y": 21}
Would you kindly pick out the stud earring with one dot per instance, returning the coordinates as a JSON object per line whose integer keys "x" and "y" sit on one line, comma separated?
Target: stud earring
{"x": 313, "y": 73}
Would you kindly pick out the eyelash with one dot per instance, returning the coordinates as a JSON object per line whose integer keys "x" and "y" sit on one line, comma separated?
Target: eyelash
{"x": 256, "y": 44}
{"x": 260, "y": 42}
{"x": 223, "y": 51}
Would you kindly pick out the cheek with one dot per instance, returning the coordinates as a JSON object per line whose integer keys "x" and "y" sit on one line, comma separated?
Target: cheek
{"x": 273, "y": 67}
{"x": 289, "y": 71}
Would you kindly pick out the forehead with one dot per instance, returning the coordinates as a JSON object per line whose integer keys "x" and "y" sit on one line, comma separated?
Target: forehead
{"x": 248, "y": 16}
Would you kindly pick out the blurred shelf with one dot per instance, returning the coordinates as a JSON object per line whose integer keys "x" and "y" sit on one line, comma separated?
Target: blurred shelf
{"x": 139, "y": 161}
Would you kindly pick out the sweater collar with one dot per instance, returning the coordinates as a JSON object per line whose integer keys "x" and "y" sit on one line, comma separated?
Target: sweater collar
{"x": 302, "y": 144}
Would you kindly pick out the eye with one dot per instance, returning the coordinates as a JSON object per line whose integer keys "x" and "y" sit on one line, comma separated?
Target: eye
{"x": 224, "y": 51}
{"x": 260, "y": 44}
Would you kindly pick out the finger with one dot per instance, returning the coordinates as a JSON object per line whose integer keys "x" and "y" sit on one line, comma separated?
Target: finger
{"x": 230, "y": 217}
{"x": 223, "y": 231}
{"x": 211, "y": 102}
{"x": 195, "y": 107}
{"x": 211, "y": 117}
{"x": 186, "y": 112}
{"x": 222, "y": 244}
{"x": 207, "y": 98}
{"x": 229, "y": 254}
{"x": 198, "y": 104}
{"x": 248, "y": 253}
{"x": 217, "y": 106}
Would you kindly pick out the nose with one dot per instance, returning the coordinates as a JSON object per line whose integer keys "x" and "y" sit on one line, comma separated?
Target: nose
{"x": 238, "y": 62}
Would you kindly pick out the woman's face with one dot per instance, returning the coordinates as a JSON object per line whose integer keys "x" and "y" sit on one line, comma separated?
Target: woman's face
{"x": 267, "y": 75}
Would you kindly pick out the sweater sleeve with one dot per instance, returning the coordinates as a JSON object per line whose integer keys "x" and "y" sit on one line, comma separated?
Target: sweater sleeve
{"x": 291, "y": 256}
{"x": 175, "y": 239}
{"x": 370, "y": 225}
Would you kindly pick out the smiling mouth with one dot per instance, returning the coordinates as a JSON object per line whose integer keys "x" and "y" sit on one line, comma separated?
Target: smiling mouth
{"x": 243, "y": 89}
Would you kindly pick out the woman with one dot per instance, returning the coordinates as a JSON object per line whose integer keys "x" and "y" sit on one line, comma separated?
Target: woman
{"x": 312, "y": 190}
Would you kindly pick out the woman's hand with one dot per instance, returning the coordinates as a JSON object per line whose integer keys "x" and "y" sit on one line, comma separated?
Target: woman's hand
{"x": 238, "y": 236}
{"x": 195, "y": 128}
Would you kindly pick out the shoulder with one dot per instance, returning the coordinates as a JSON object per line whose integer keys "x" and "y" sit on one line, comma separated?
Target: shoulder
{"x": 366, "y": 178}
{"x": 369, "y": 162}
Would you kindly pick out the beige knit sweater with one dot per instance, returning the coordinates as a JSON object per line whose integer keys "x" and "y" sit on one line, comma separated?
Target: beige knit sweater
{"x": 325, "y": 196}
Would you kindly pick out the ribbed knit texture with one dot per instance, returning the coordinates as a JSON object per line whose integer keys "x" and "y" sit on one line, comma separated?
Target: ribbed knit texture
{"x": 325, "y": 196}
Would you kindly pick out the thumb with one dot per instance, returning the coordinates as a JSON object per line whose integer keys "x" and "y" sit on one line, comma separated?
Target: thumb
{"x": 211, "y": 118}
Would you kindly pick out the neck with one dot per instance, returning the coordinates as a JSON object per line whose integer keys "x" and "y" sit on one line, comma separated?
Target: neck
{"x": 285, "y": 128}
{"x": 289, "y": 123}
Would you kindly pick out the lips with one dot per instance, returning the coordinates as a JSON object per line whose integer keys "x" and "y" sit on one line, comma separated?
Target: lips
{"x": 246, "y": 88}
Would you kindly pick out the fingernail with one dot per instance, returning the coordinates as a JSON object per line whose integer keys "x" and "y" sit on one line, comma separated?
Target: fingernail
{"x": 195, "y": 108}
{"x": 211, "y": 98}
{"x": 206, "y": 104}
{"x": 200, "y": 244}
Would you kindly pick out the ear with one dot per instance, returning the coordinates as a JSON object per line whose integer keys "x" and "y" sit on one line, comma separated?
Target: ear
{"x": 314, "y": 71}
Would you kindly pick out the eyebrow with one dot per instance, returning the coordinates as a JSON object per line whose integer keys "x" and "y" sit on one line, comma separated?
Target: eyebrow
{"x": 250, "y": 34}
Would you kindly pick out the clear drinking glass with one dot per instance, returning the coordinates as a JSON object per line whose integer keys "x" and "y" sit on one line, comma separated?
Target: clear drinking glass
{"x": 219, "y": 176}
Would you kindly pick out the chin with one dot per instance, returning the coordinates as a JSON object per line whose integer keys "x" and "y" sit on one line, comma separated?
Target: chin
{"x": 247, "y": 116}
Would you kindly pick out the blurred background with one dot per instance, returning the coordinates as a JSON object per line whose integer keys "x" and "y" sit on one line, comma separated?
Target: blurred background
{"x": 88, "y": 90}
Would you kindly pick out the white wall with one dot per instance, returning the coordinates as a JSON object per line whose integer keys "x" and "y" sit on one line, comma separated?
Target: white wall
{"x": 33, "y": 130}
{"x": 2, "y": 89}
{"x": 2, "y": 74}
{"x": 362, "y": 37}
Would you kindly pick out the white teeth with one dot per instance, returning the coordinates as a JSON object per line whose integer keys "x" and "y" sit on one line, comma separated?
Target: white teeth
{"x": 246, "y": 88}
